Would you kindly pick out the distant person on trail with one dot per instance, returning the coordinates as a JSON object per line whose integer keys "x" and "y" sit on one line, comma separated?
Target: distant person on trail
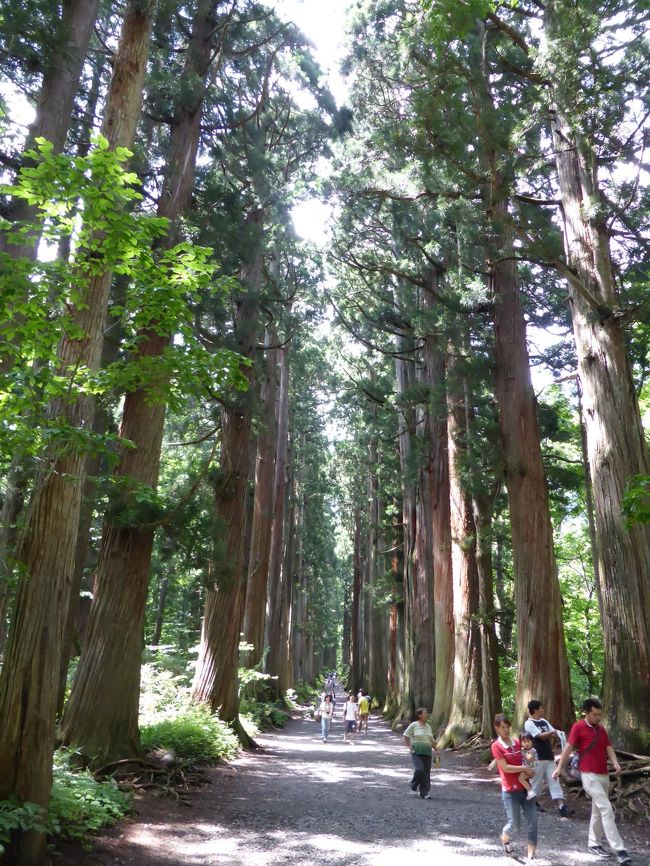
{"x": 590, "y": 739}
{"x": 420, "y": 741}
{"x": 529, "y": 760}
{"x": 350, "y": 714}
{"x": 506, "y": 751}
{"x": 326, "y": 712}
{"x": 364, "y": 712}
{"x": 543, "y": 734}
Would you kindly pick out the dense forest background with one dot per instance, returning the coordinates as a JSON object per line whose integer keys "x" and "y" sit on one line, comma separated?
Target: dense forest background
{"x": 232, "y": 459}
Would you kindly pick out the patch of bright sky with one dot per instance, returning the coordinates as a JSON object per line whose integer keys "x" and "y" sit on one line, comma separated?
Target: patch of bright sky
{"x": 323, "y": 23}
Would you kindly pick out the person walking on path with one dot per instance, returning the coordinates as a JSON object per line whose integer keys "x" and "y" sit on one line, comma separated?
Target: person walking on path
{"x": 421, "y": 744}
{"x": 326, "y": 712}
{"x": 506, "y": 752}
{"x": 364, "y": 712}
{"x": 591, "y": 741}
{"x": 543, "y": 733}
{"x": 350, "y": 713}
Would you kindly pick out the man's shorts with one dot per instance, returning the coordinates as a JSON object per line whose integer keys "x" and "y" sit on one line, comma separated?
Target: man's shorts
{"x": 350, "y": 726}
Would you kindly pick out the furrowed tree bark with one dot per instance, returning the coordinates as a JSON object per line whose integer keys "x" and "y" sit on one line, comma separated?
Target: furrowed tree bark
{"x": 543, "y": 669}
{"x": 263, "y": 507}
{"x": 277, "y": 597}
{"x": 30, "y": 677}
{"x": 378, "y": 625}
{"x": 395, "y": 622}
{"x": 467, "y": 698}
{"x": 291, "y": 565}
{"x": 614, "y": 432}
{"x": 405, "y": 374}
{"x": 443, "y": 593}
{"x": 215, "y": 680}
{"x": 491, "y": 687}
{"x": 102, "y": 714}
{"x": 300, "y": 592}
{"x": 356, "y": 652}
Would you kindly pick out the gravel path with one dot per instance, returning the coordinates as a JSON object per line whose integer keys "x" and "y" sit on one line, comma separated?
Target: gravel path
{"x": 302, "y": 802}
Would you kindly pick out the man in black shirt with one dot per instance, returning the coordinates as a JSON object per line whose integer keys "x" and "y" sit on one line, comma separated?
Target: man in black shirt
{"x": 542, "y": 733}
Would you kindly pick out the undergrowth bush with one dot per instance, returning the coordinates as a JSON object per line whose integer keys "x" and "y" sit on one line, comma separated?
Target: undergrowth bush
{"x": 195, "y": 735}
{"x": 306, "y": 694}
{"x": 263, "y": 714}
{"x": 80, "y": 805}
{"x": 18, "y": 816}
{"x": 163, "y": 692}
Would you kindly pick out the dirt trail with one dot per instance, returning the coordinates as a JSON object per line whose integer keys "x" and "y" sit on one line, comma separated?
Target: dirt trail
{"x": 302, "y": 802}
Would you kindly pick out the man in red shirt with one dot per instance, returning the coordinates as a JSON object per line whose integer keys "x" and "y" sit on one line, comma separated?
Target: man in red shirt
{"x": 590, "y": 739}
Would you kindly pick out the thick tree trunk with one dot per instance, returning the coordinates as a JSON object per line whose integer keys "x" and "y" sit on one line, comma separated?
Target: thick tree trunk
{"x": 404, "y": 369}
{"x": 505, "y": 604}
{"x": 56, "y": 98}
{"x": 356, "y": 650}
{"x": 285, "y": 680}
{"x": 422, "y": 588}
{"x": 443, "y": 594}
{"x": 263, "y": 508}
{"x": 395, "y": 622}
{"x": 160, "y": 609}
{"x": 30, "y": 677}
{"x": 467, "y": 699}
{"x": 277, "y": 598}
{"x": 16, "y": 485}
{"x": 300, "y": 592}
{"x": 615, "y": 440}
{"x": 215, "y": 681}
{"x": 116, "y": 628}
{"x": 543, "y": 670}
{"x": 291, "y": 565}
{"x": 491, "y": 687}
{"x": 378, "y": 625}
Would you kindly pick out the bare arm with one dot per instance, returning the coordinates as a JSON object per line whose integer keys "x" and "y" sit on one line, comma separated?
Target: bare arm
{"x": 611, "y": 754}
{"x": 407, "y": 743}
{"x": 564, "y": 757}
{"x": 512, "y": 768}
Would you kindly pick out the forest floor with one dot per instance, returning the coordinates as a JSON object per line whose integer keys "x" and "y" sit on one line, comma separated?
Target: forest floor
{"x": 303, "y": 802}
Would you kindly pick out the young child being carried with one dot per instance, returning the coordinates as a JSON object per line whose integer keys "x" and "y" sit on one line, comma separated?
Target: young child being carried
{"x": 529, "y": 758}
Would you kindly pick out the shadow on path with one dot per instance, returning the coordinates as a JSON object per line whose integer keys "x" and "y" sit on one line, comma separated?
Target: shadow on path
{"x": 304, "y": 802}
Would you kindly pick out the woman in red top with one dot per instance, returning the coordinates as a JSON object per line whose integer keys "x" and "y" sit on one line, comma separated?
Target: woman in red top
{"x": 506, "y": 752}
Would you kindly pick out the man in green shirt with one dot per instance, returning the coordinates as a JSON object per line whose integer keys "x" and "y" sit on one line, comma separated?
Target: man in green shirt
{"x": 421, "y": 744}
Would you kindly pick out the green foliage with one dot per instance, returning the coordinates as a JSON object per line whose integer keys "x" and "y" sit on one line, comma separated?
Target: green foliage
{"x": 305, "y": 693}
{"x": 582, "y": 626}
{"x": 262, "y": 715}
{"x": 451, "y": 19}
{"x": 636, "y": 500}
{"x": 508, "y": 683}
{"x": 196, "y": 736}
{"x": 80, "y": 805}
{"x": 19, "y": 816}
{"x": 92, "y": 201}
{"x": 163, "y": 691}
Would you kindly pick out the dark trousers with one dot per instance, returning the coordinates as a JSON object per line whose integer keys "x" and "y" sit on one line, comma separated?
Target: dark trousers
{"x": 422, "y": 773}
